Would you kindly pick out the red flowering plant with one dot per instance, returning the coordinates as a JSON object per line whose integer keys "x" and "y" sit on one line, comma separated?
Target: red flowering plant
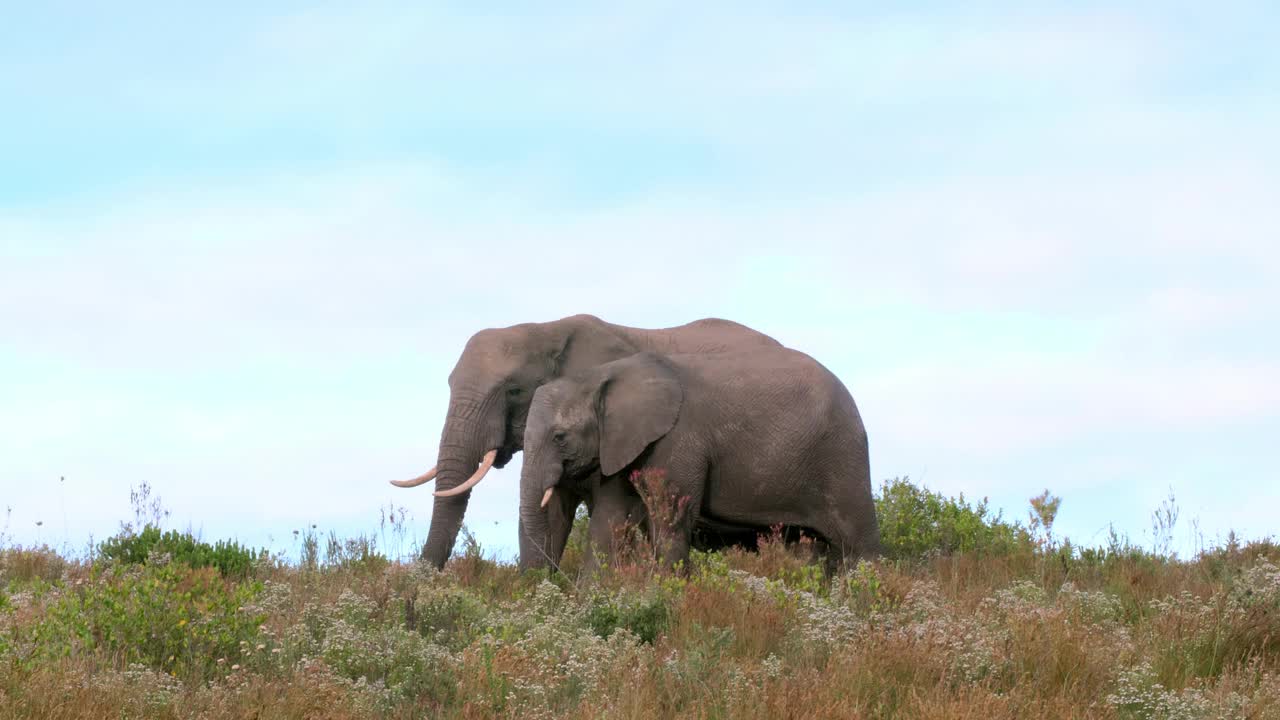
{"x": 665, "y": 506}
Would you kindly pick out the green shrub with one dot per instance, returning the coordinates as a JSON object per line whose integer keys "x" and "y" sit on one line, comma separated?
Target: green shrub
{"x": 915, "y": 521}
{"x": 1117, "y": 550}
{"x": 230, "y": 558}
{"x": 645, "y": 616}
{"x": 862, "y": 589}
{"x": 169, "y": 617}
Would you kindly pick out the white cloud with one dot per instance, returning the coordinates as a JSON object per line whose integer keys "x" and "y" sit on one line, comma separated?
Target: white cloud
{"x": 1018, "y": 404}
{"x": 334, "y": 275}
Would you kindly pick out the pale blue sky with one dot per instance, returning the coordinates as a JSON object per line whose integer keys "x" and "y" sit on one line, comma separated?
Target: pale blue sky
{"x": 241, "y": 248}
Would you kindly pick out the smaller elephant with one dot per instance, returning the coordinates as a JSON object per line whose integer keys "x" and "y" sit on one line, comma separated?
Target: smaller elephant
{"x": 745, "y": 440}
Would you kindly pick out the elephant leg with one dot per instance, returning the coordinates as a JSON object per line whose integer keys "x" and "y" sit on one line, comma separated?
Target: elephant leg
{"x": 821, "y": 550}
{"x": 840, "y": 542}
{"x": 674, "y": 541}
{"x": 613, "y": 507}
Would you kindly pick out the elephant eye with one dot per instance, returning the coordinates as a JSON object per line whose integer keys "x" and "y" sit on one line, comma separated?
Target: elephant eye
{"x": 514, "y": 392}
{"x": 558, "y": 436}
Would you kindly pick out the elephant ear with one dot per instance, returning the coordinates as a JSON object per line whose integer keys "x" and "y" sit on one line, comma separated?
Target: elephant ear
{"x": 639, "y": 401}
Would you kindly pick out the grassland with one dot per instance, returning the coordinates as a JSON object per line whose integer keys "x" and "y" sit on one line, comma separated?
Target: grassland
{"x": 969, "y": 616}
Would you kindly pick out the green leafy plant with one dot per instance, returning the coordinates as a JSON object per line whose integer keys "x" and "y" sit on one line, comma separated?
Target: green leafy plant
{"x": 915, "y": 521}
{"x": 229, "y": 557}
{"x": 646, "y": 616}
{"x": 863, "y": 589}
{"x": 169, "y": 617}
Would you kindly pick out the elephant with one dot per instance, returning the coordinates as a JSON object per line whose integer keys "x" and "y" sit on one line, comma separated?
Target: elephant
{"x": 746, "y": 440}
{"x": 491, "y": 386}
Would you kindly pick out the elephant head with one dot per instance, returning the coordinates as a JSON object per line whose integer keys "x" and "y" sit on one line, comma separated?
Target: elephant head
{"x": 489, "y": 393}
{"x": 601, "y": 419}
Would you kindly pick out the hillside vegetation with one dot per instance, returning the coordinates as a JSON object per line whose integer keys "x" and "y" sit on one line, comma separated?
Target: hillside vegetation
{"x": 968, "y": 616}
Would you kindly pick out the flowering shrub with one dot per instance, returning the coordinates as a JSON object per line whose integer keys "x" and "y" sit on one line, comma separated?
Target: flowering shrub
{"x": 1258, "y": 586}
{"x": 1094, "y": 607}
{"x": 448, "y": 615}
{"x": 1139, "y": 694}
{"x": 1200, "y": 637}
{"x": 665, "y": 506}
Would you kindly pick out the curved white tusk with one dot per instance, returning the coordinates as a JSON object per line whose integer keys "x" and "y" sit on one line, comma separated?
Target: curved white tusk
{"x": 546, "y": 496}
{"x": 422, "y": 479}
{"x": 487, "y": 463}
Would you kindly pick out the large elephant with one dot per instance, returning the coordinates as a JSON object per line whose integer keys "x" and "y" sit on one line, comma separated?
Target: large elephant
{"x": 500, "y": 368}
{"x": 746, "y": 440}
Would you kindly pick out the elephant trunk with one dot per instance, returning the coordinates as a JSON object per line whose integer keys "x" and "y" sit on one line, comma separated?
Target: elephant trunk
{"x": 533, "y": 541}
{"x": 537, "y": 478}
{"x": 476, "y": 477}
{"x": 467, "y": 436}
{"x": 447, "y": 513}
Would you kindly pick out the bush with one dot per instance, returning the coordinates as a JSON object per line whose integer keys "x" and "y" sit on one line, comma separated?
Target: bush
{"x": 645, "y": 616}
{"x": 230, "y": 558}
{"x": 915, "y": 521}
{"x": 448, "y": 615}
{"x": 351, "y": 640}
{"x": 169, "y": 617}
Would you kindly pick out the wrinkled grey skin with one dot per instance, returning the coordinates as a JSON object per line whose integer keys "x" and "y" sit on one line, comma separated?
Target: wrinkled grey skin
{"x": 751, "y": 439}
{"x": 500, "y": 368}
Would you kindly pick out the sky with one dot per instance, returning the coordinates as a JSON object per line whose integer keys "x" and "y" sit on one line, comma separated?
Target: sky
{"x": 242, "y": 246}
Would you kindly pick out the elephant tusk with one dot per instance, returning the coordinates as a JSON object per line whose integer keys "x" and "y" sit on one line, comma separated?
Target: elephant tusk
{"x": 424, "y": 478}
{"x": 546, "y": 496}
{"x": 487, "y": 463}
